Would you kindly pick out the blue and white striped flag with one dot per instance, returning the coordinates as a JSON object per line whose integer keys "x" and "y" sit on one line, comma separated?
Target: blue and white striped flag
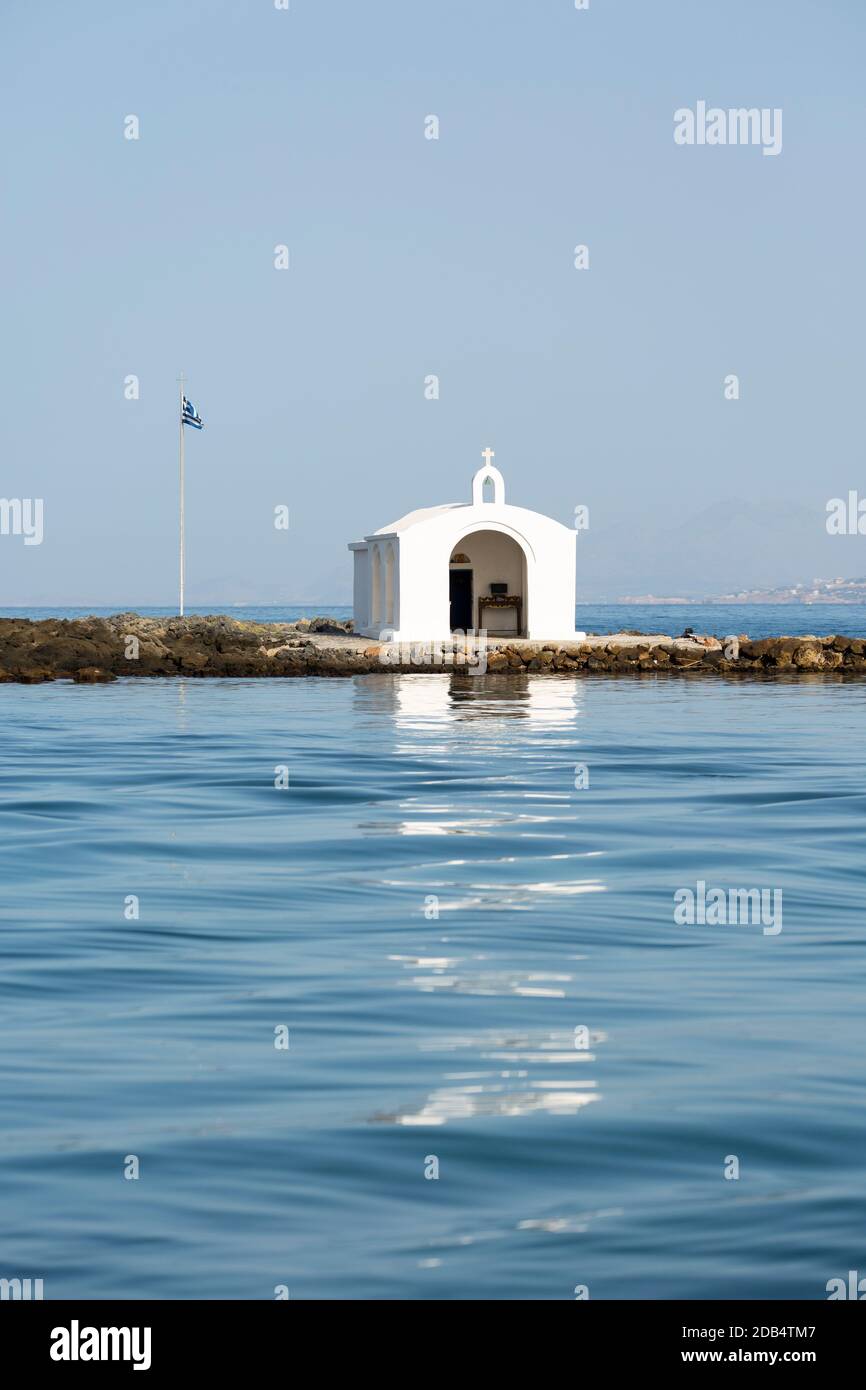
{"x": 189, "y": 416}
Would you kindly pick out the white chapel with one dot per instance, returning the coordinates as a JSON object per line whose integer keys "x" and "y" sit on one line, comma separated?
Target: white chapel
{"x": 463, "y": 566}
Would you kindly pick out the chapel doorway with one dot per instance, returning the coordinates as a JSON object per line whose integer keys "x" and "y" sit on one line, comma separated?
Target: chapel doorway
{"x": 460, "y": 585}
{"x": 488, "y": 584}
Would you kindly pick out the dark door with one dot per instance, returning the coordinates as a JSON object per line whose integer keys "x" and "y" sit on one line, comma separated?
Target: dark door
{"x": 461, "y": 599}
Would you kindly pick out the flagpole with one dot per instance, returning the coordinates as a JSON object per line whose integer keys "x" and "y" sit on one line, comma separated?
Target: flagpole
{"x": 180, "y": 427}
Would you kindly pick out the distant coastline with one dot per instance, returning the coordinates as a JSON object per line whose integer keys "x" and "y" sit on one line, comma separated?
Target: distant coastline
{"x": 836, "y": 591}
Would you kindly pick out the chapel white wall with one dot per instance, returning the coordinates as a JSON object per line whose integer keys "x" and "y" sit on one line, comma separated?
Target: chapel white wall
{"x": 361, "y": 588}
{"x": 422, "y": 609}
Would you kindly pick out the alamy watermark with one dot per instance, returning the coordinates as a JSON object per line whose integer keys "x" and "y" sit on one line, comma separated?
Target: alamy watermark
{"x": 22, "y": 516}
{"x": 23, "y": 1289}
{"x": 846, "y": 516}
{"x": 853, "y": 1288}
{"x": 732, "y": 907}
{"x": 466, "y": 651}
{"x": 77, "y": 1343}
{"x": 738, "y": 125}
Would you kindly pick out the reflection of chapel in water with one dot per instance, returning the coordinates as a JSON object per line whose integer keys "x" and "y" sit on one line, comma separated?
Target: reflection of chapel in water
{"x": 431, "y": 702}
{"x": 467, "y": 565}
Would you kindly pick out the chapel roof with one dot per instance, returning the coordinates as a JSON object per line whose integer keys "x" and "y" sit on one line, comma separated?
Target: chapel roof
{"x": 485, "y": 474}
{"x": 412, "y": 518}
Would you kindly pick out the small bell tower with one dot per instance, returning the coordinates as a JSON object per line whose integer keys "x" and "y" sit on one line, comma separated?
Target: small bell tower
{"x": 488, "y": 472}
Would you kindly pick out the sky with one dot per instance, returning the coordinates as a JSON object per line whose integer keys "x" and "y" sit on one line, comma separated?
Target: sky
{"x": 411, "y": 257}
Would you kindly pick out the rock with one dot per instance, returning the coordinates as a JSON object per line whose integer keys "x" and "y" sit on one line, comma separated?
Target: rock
{"x": 339, "y": 663}
{"x": 240, "y": 664}
{"x": 72, "y": 652}
{"x": 755, "y": 651}
{"x": 92, "y": 675}
{"x": 685, "y": 658}
{"x": 194, "y": 661}
{"x": 291, "y": 659}
{"x": 35, "y": 676}
{"x": 331, "y": 626}
{"x": 807, "y": 658}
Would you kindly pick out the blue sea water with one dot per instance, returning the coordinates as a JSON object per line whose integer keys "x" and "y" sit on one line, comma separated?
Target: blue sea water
{"x": 415, "y": 1036}
{"x": 754, "y": 619}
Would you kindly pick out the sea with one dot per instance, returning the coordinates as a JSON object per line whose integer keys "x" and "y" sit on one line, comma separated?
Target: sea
{"x": 378, "y": 987}
{"x": 717, "y": 619}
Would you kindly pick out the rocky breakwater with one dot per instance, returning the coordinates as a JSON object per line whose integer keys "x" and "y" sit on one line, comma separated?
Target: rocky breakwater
{"x": 634, "y": 653}
{"x": 89, "y": 650}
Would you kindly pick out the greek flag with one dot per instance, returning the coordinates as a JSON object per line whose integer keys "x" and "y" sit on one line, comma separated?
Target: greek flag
{"x": 190, "y": 416}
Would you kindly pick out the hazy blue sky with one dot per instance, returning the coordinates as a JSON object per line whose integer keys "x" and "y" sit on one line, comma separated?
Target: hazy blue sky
{"x": 411, "y": 256}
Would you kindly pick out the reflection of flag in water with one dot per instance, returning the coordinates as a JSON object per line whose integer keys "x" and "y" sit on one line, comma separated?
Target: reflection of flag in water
{"x": 189, "y": 416}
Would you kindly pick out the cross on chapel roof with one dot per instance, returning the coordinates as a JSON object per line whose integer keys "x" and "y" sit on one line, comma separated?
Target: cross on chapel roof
{"x": 486, "y": 471}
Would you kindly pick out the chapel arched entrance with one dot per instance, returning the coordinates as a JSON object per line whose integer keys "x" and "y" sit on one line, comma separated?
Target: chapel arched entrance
{"x": 488, "y": 584}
